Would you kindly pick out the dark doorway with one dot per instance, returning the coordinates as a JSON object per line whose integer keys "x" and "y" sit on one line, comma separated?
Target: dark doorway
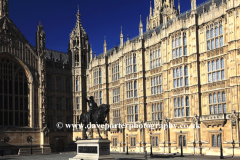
{"x": 60, "y": 145}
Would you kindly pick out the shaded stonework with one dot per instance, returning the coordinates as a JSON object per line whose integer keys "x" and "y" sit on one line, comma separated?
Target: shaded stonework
{"x": 182, "y": 70}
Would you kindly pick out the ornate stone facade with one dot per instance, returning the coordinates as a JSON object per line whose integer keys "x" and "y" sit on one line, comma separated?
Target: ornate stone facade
{"x": 182, "y": 72}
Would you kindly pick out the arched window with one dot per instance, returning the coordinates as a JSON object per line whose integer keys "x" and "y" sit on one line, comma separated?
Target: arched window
{"x": 218, "y": 104}
{"x": 179, "y": 102}
{"x": 219, "y": 97}
{"x": 181, "y": 72}
{"x": 186, "y": 71}
{"x": 218, "y": 64}
{"x": 214, "y": 98}
{"x": 223, "y": 96}
{"x": 220, "y": 30}
{"x": 217, "y": 72}
{"x": 187, "y": 101}
{"x": 213, "y": 66}
{"x": 77, "y": 85}
{"x": 175, "y": 102}
{"x": 210, "y": 98}
{"x": 186, "y": 75}
{"x": 216, "y": 31}
{"x": 208, "y": 34}
{"x": 135, "y": 88}
{"x": 213, "y": 140}
{"x": 177, "y": 72}
{"x": 174, "y": 73}
{"x": 13, "y": 94}
{"x": 136, "y": 113}
{"x": 187, "y": 107}
{"x": 209, "y": 66}
{"x": 222, "y": 67}
{"x": 182, "y": 102}
{"x": 134, "y": 63}
{"x": 212, "y": 33}
{"x": 215, "y": 36}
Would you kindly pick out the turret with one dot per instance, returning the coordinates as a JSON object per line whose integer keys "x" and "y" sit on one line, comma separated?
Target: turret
{"x": 105, "y": 47}
{"x": 91, "y": 54}
{"x": 4, "y": 8}
{"x": 150, "y": 14}
{"x": 79, "y": 46}
{"x": 121, "y": 38}
{"x": 140, "y": 27}
{"x": 147, "y": 24}
{"x": 193, "y": 6}
{"x": 40, "y": 39}
{"x": 179, "y": 7}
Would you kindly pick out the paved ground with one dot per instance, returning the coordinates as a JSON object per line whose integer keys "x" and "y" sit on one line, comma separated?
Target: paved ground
{"x": 117, "y": 156}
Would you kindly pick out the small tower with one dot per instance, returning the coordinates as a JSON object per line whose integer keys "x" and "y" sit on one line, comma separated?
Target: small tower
{"x": 193, "y": 7}
{"x": 150, "y": 15}
{"x": 121, "y": 38}
{"x": 4, "y": 8}
{"x": 40, "y": 39}
{"x": 140, "y": 27}
{"x": 91, "y": 54}
{"x": 79, "y": 46}
{"x": 105, "y": 47}
{"x": 179, "y": 7}
{"x": 147, "y": 24}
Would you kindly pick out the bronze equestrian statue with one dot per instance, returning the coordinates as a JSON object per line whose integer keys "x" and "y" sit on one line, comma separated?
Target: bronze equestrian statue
{"x": 96, "y": 115}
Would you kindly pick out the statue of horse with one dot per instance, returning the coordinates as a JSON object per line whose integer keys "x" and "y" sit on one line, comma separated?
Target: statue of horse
{"x": 98, "y": 117}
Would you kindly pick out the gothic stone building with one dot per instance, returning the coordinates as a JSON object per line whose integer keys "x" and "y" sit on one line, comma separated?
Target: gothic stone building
{"x": 183, "y": 70}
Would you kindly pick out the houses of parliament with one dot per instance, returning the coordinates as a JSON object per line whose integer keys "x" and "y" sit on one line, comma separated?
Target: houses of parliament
{"x": 184, "y": 70}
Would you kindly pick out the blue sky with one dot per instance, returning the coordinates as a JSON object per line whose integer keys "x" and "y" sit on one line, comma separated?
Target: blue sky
{"x": 99, "y": 18}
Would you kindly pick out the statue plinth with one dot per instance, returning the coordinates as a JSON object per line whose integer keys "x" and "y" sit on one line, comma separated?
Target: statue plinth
{"x": 93, "y": 149}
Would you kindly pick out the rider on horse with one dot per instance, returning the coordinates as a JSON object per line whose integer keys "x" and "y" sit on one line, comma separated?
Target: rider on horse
{"x": 92, "y": 106}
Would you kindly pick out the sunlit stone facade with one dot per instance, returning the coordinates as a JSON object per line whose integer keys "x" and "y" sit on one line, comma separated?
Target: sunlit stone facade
{"x": 182, "y": 70}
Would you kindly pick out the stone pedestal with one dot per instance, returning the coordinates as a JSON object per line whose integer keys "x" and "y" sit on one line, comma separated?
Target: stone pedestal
{"x": 93, "y": 149}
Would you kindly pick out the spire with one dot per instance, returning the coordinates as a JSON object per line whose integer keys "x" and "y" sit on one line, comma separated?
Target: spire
{"x": 193, "y": 6}
{"x": 91, "y": 53}
{"x": 78, "y": 16}
{"x": 147, "y": 24}
{"x": 140, "y": 24}
{"x": 121, "y": 35}
{"x": 4, "y": 8}
{"x": 40, "y": 38}
{"x": 121, "y": 38}
{"x": 179, "y": 6}
{"x": 150, "y": 10}
{"x": 105, "y": 46}
{"x": 140, "y": 27}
